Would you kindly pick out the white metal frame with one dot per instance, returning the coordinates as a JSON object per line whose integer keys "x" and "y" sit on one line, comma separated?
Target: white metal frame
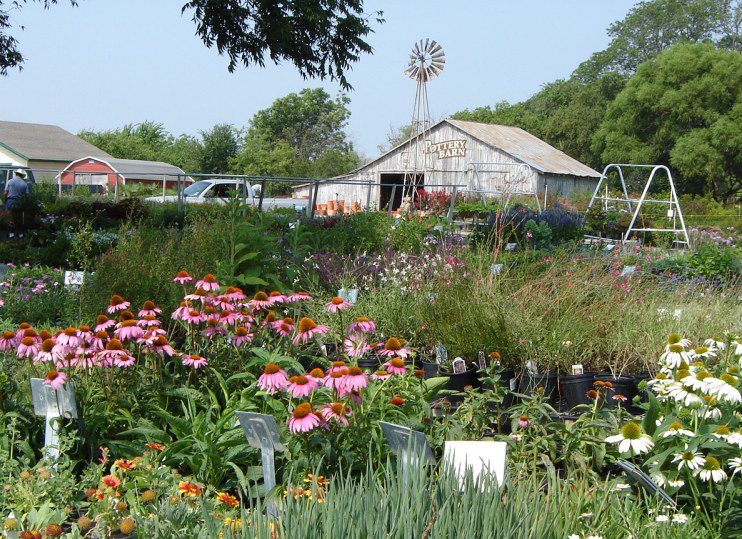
{"x": 521, "y": 170}
{"x": 674, "y": 212}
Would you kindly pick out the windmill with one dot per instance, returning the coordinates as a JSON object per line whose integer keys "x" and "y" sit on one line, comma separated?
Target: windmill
{"x": 426, "y": 62}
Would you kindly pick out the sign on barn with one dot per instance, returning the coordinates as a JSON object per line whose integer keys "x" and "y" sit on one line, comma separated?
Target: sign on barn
{"x": 447, "y": 148}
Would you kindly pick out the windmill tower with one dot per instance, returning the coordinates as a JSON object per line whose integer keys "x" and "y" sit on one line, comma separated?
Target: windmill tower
{"x": 426, "y": 62}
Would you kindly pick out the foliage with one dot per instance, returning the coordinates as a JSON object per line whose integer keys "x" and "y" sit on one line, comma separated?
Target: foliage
{"x": 219, "y": 146}
{"x": 35, "y": 295}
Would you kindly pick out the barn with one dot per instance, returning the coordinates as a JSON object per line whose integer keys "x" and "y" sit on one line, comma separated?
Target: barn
{"x": 481, "y": 160}
{"x": 107, "y": 175}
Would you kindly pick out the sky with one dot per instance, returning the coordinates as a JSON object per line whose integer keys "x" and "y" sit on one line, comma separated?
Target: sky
{"x": 107, "y": 63}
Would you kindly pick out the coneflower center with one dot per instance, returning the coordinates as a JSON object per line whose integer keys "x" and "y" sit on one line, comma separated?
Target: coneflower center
{"x": 393, "y": 344}
{"x": 272, "y": 368}
{"x": 673, "y": 338}
{"x": 676, "y": 348}
{"x": 47, "y": 345}
{"x": 397, "y": 362}
{"x": 260, "y": 296}
{"x": 337, "y": 301}
{"x": 302, "y": 411}
{"x": 306, "y": 324}
{"x": 711, "y": 464}
{"x": 70, "y": 332}
{"x": 631, "y": 431}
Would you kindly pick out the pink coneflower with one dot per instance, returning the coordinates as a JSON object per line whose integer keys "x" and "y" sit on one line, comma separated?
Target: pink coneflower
{"x": 21, "y": 331}
{"x": 229, "y": 317}
{"x": 55, "y": 379}
{"x": 148, "y": 321}
{"x": 361, "y": 325}
{"x": 127, "y": 329}
{"x": 619, "y": 397}
{"x": 297, "y": 296}
{"x": 260, "y": 302}
{"x": 337, "y": 366}
{"x": 213, "y": 329}
{"x": 284, "y": 327}
{"x": 208, "y": 283}
{"x": 397, "y": 401}
{"x": 45, "y": 351}
{"x": 355, "y": 348}
{"x": 102, "y": 323}
{"x": 241, "y": 336}
{"x": 273, "y": 379}
{"x": 269, "y": 319}
{"x": 337, "y": 304}
{"x": 276, "y": 298}
{"x": 182, "y": 277}
{"x": 303, "y": 419}
{"x": 307, "y": 330}
{"x": 395, "y": 366}
{"x": 69, "y": 338}
{"x": 160, "y": 346}
{"x": 85, "y": 334}
{"x": 394, "y": 347}
{"x": 114, "y": 354}
{"x": 192, "y": 316}
{"x": 336, "y": 411}
{"x": 149, "y": 309}
{"x": 117, "y": 303}
{"x": 380, "y": 375}
{"x": 356, "y": 379}
{"x": 234, "y": 294}
{"x": 85, "y": 359}
{"x": 7, "y": 341}
{"x": 317, "y": 374}
{"x": 28, "y": 347}
{"x": 336, "y": 381}
{"x": 301, "y": 386}
{"x": 523, "y": 422}
{"x": 195, "y": 361}
{"x": 31, "y": 332}
{"x": 245, "y": 317}
{"x": 99, "y": 340}
{"x": 197, "y": 295}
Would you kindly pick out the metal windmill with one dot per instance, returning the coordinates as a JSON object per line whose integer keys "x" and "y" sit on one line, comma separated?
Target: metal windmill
{"x": 426, "y": 62}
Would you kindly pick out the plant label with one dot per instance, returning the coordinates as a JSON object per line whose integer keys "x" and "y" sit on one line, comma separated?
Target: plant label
{"x": 53, "y": 404}
{"x": 459, "y": 365}
{"x": 349, "y": 294}
{"x": 409, "y": 445}
{"x": 3, "y": 270}
{"x": 531, "y": 366}
{"x": 496, "y": 269}
{"x": 481, "y": 360}
{"x": 441, "y": 354}
{"x": 483, "y": 460}
{"x": 511, "y": 246}
{"x": 627, "y": 271}
{"x": 608, "y": 248}
{"x": 577, "y": 369}
{"x": 670, "y": 213}
{"x": 73, "y": 279}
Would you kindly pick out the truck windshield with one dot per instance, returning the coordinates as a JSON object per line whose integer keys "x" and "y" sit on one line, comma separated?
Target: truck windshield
{"x": 196, "y": 189}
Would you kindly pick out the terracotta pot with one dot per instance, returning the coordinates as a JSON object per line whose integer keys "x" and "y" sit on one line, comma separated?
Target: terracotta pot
{"x": 331, "y": 205}
{"x": 331, "y": 212}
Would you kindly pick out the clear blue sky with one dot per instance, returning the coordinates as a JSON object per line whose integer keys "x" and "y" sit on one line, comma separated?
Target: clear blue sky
{"x": 107, "y": 63}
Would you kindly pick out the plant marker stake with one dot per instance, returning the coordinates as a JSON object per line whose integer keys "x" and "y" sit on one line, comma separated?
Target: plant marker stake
{"x": 409, "y": 445}
{"x": 52, "y": 404}
{"x": 261, "y": 432}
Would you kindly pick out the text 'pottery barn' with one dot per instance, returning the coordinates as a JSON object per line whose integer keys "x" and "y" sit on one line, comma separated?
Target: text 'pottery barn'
{"x": 483, "y": 160}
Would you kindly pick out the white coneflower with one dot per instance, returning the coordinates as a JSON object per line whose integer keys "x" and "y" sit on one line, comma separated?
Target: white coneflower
{"x": 711, "y": 412}
{"x": 684, "y": 396}
{"x": 735, "y": 465}
{"x": 723, "y": 388}
{"x": 620, "y": 487}
{"x": 697, "y": 381}
{"x": 737, "y": 347}
{"x": 689, "y": 459}
{"x": 680, "y": 518}
{"x": 676, "y": 483}
{"x": 715, "y": 342}
{"x": 674, "y": 356}
{"x": 735, "y": 438}
{"x": 661, "y": 518}
{"x": 702, "y": 351}
{"x": 658, "y": 478}
{"x": 632, "y": 439}
{"x": 711, "y": 471}
{"x": 674, "y": 338}
{"x": 722, "y": 431}
{"x": 676, "y": 429}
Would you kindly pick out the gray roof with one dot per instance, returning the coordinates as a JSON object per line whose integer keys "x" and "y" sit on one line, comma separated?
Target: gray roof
{"x": 135, "y": 169}
{"x": 525, "y": 147}
{"x": 42, "y": 142}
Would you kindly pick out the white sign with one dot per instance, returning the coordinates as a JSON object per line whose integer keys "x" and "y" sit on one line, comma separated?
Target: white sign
{"x": 478, "y": 458}
{"x": 447, "y": 148}
{"x": 73, "y": 279}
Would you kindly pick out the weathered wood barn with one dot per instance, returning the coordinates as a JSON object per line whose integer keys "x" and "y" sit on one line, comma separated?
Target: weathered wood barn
{"x": 480, "y": 159}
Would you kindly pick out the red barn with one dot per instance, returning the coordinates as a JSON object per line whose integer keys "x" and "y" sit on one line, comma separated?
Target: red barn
{"x": 108, "y": 175}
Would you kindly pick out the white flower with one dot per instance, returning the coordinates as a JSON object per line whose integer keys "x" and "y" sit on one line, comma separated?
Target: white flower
{"x": 674, "y": 356}
{"x": 620, "y": 487}
{"x": 735, "y": 465}
{"x": 694, "y": 383}
{"x": 723, "y": 391}
{"x": 676, "y": 429}
{"x": 681, "y": 395}
{"x": 735, "y": 438}
{"x": 676, "y": 483}
{"x": 711, "y": 471}
{"x": 631, "y": 438}
{"x": 689, "y": 459}
{"x": 594, "y": 537}
{"x": 573, "y": 536}
{"x": 584, "y": 516}
{"x": 715, "y": 343}
{"x": 702, "y": 351}
{"x": 711, "y": 412}
{"x": 737, "y": 347}
{"x": 680, "y": 518}
{"x": 658, "y": 479}
{"x": 661, "y": 518}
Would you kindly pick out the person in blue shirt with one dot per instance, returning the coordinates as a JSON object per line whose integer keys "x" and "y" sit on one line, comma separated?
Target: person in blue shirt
{"x": 15, "y": 188}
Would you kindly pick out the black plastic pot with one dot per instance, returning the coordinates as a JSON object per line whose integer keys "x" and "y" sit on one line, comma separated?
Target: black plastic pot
{"x": 622, "y": 385}
{"x": 509, "y": 381}
{"x": 574, "y": 388}
{"x": 460, "y": 382}
{"x": 529, "y": 383}
{"x": 430, "y": 369}
{"x": 370, "y": 363}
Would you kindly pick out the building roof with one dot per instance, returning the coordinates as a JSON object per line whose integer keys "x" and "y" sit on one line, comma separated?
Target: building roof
{"x": 525, "y": 147}
{"x": 135, "y": 169}
{"x": 41, "y": 142}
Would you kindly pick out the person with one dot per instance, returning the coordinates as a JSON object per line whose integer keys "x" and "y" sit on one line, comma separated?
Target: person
{"x": 15, "y": 188}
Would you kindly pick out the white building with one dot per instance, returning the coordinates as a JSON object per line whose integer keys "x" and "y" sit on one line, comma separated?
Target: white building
{"x": 481, "y": 159}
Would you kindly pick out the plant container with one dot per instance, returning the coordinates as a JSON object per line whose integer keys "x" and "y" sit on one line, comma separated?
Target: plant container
{"x": 622, "y": 385}
{"x": 529, "y": 383}
{"x": 574, "y": 388}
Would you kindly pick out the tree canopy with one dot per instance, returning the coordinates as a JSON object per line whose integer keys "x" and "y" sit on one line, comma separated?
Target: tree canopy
{"x": 322, "y": 38}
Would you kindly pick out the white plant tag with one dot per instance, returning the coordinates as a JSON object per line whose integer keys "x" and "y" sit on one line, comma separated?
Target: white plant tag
{"x": 577, "y": 369}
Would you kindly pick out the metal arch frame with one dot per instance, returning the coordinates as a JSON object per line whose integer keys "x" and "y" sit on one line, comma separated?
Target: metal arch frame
{"x": 476, "y": 169}
{"x": 673, "y": 202}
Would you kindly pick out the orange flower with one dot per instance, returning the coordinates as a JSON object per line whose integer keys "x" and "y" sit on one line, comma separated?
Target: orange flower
{"x": 397, "y": 401}
{"x": 155, "y": 447}
{"x": 227, "y": 499}
{"x": 189, "y": 489}
{"x": 125, "y": 465}
{"x": 110, "y": 481}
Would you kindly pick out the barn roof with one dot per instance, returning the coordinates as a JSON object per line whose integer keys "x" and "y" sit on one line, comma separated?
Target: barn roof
{"x": 135, "y": 169}
{"x": 525, "y": 147}
{"x": 41, "y": 142}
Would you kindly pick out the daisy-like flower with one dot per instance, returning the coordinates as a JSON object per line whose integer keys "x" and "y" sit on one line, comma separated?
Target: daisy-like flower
{"x": 723, "y": 388}
{"x": 233, "y": 293}
{"x": 317, "y": 375}
{"x": 689, "y": 459}
{"x": 523, "y": 422}
{"x": 355, "y": 379}
{"x": 662, "y": 518}
{"x": 735, "y": 438}
{"x": 715, "y": 342}
{"x": 194, "y": 360}
{"x": 102, "y": 323}
{"x": 85, "y": 334}
{"x": 684, "y": 395}
{"x": 397, "y": 401}
{"x": 703, "y": 352}
{"x": 361, "y": 325}
{"x": 192, "y": 316}
{"x": 284, "y": 327}
{"x": 337, "y": 304}
{"x": 127, "y": 330}
{"x": 149, "y": 309}
{"x": 28, "y": 347}
{"x": 117, "y": 303}
{"x": 676, "y": 429}
{"x": 99, "y": 340}
{"x": 308, "y": 329}
{"x": 161, "y": 347}
{"x": 273, "y": 379}
{"x": 228, "y": 317}
{"x": 674, "y": 338}
{"x": 31, "y": 332}
{"x": 303, "y": 419}
{"x": 632, "y": 439}
{"x": 148, "y": 321}
{"x": 115, "y": 354}
{"x": 336, "y": 411}
{"x": 355, "y": 347}
{"x": 213, "y": 329}
{"x": 69, "y": 337}
{"x": 380, "y": 375}
{"x": 680, "y": 518}
{"x": 182, "y": 277}
{"x": 197, "y": 295}
{"x": 155, "y": 446}
{"x": 241, "y": 336}
{"x": 189, "y": 489}
{"x": 298, "y": 296}
{"x": 676, "y": 483}
{"x": 227, "y": 499}
{"x": 110, "y": 481}
{"x": 21, "y": 331}
{"x": 336, "y": 381}
{"x": 711, "y": 471}
{"x": 276, "y": 298}
{"x": 260, "y": 302}
{"x": 7, "y": 341}
{"x": 301, "y": 386}
{"x": 674, "y": 356}
{"x": 696, "y": 381}
{"x": 45, "y": 351}
{"x": 735, "y": 465}
{"x": 126, "y": 465}
{"x": 395, "y": 366}
{"x": 55, "y": 379}
{"x": 208, "y": 283}
{"x": 394, "y": 347}
{"x": 337, "y": 366}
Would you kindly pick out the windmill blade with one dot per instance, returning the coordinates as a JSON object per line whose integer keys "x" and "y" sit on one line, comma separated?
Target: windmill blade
{"x": 434, "y": 71}
{"x": 425, "y": 49}
{"x": 435, "y": 49}
{"x": 438, "y": 65}
{"x": 439, "y": 55}
{"x": 416, "y": 50}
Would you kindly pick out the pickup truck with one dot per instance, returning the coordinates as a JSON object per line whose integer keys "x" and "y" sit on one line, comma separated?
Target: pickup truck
{"x": 220, "y": 191}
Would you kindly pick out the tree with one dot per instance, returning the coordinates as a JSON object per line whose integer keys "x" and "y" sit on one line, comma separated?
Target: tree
{"x": 396, "y": 136}
{"x": 219, "y": 145}
{"x": 653, "y": 26}
{"x": 682, "y": 109}
{"x": 322, "y": 38}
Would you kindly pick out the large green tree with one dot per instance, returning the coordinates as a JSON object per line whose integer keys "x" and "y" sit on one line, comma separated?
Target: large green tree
{"x": 322, "y": 38}
{"x": 683, "y": 109}
{"x": 219, "y": 146}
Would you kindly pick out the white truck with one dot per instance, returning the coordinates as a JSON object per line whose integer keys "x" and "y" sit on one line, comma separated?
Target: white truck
{"x": 220, "y": 191}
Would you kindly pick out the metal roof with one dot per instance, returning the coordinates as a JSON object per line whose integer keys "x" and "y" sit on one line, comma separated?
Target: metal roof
{"x": 135, "y": 169}
{"x": 41, "y": 142}
{"x": 525, "y": 147}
